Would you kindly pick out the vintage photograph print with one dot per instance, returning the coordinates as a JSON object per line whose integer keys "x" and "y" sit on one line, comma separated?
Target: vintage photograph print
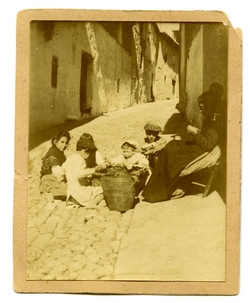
{"x": 128, "y": 128}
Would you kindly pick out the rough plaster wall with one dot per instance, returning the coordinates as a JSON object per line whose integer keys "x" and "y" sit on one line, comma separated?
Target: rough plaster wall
{"x": 75, "y": 34}
{"x": 112, "y": 70}
{"x": 194, "y": 74}
{"x": 67, "y": 43}
{"x": 150, "y": 63}
{"x": 207, "y": 49}
{"x": 109, "y": 72}
{"x": 177, "y": 71}
{"x": 144, "y": 54}
{"x": 43, "y": 98}
{"x": 147, "y": 79}
{"x": 215, "y": 54}
{"x": 216, "y": 68}
{"x": 182, "y": 75}
{"x": 166, "y": 71}
{"x": 163, "y": 70}
{"x": 55, "y": 104}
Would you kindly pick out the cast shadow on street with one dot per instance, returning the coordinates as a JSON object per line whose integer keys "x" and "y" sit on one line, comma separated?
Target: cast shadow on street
{"x": 42, "y": 135}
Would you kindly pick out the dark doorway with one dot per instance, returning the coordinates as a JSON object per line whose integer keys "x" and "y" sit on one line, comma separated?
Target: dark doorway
{"x": 173, "y": 89}
{"x": 85, "y": 65}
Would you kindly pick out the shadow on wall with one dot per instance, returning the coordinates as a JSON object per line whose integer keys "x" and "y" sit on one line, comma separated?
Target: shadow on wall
{"x": 176, "y": 124}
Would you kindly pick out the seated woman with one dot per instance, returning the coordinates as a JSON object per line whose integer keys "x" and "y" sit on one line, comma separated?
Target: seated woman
{"x": 175, "y": 156}
{"x": 52, "y": 174}
{"x": 94, "y": 159}
{"x": 76, "y": 170}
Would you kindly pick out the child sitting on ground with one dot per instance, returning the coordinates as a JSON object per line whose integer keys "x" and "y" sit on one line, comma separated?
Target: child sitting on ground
{"x": 153, "y": 142}
{"x": 52, "y": 174}
{"x": 80, "y": 193}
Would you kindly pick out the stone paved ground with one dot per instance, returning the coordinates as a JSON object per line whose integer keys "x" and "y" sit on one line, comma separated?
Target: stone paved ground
{"x": 80, "y": 243}
{"x": 177, "y": 240}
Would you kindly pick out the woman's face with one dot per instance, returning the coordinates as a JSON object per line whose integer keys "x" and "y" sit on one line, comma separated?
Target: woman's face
{"x": 62, "y": 143}
{"x": 209, "y": 103}
{"x": 151, "y": 136}
{"x": 84, "y": 153}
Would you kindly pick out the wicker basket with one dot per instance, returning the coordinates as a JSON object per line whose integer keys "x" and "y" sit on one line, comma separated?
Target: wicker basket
{"x": 119, "y": 191}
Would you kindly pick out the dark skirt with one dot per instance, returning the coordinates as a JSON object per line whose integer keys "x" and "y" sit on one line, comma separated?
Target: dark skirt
{"x": 172, "y": 159}
{"x": 50, "y": 184}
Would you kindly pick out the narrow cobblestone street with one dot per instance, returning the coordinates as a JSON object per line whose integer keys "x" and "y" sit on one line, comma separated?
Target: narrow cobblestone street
{"x": 82, "y": 243}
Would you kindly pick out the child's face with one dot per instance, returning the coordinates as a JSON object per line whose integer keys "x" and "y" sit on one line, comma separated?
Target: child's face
{"x": 151, "y": 136}
{"x": 128, "y": 151}
{"x": 84, "y": 153}
{"x": 62, "y": 143}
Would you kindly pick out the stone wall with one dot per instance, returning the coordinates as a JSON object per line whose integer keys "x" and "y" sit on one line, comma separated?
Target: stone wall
{"x": 103, "y": 65}
{"x": 108, "y": 71}
{"x": 215, "y": 54}
{"x": 194, "y": 71}
{"x": 204, "y": 48}
{"x": 167, "y": 80}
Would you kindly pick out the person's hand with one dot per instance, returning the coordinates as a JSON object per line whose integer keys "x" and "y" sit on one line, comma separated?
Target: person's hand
{"x": 145, "y": 147}
{"x": 148, "y": 145}
{"x": 148, "y": 152}
{"x": 129, "y": 166}
{"x": 58, "y": 170}
{"x": 150, "y": 148}
{"x": 192, "y": 130}
{"x": 101, "y": 166}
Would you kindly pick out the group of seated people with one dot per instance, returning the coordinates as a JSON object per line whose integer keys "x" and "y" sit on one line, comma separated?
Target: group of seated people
{"x": 161, "y": 161}
{"x": 76, "y": 178}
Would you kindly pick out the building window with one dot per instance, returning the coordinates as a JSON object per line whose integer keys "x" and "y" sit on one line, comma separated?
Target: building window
{"x": 165, "y": 58}
{"x": 54, "y": 71}
{"x": 165, "y": 79}
{"x": 118, "y": 85}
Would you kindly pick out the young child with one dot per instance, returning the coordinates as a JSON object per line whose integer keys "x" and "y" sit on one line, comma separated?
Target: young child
{"x": 153, "y": 142}
{"x": 52, "y": 180}
{"x": 130, "y": 158}
{"x": 134, "y": 162}
{"x": 80, "y": 193}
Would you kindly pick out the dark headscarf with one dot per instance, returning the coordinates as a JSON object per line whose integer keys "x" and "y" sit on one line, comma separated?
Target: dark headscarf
{"x": 211, "y": 100}
{"x": 85, "y": 143}
{"x": 89, "y": 145}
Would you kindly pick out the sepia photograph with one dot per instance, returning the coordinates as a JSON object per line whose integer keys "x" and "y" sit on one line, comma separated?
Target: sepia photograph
{"x": 128, "y": 151}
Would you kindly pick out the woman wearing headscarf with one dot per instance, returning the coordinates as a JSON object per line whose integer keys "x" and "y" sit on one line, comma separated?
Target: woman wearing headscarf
{"x": 175, "y": 156}
{"x": 77, "y": 170}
